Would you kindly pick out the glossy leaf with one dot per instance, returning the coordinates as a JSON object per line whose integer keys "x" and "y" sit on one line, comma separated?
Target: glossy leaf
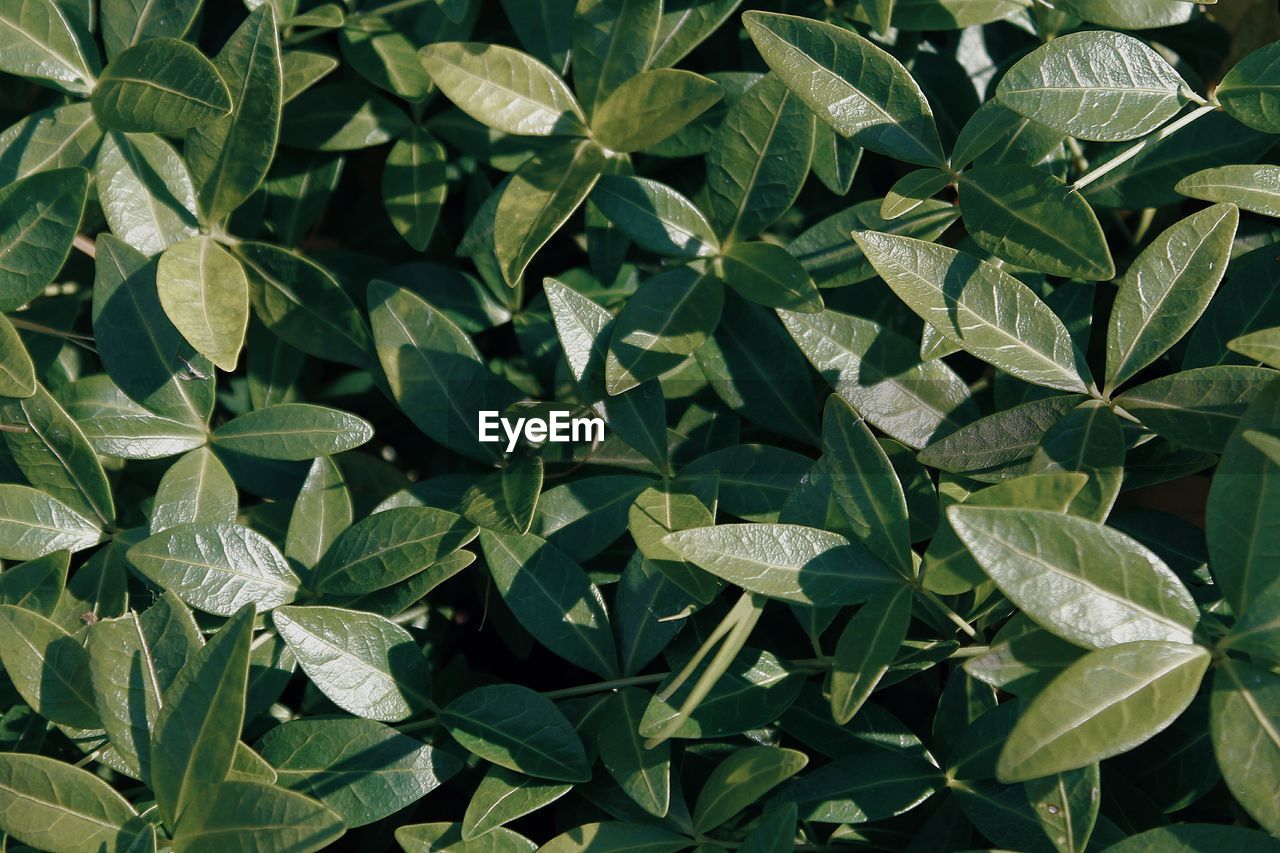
{"x": 161, "y": 85}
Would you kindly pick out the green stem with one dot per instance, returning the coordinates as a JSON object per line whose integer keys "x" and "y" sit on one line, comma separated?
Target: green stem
{"x": 946, "y": 611}
{"x": 1147, "y": 142}
{"x": 602, "y": 686}
{"x": 389, "y": 9}
{"x": 419, "y": 725}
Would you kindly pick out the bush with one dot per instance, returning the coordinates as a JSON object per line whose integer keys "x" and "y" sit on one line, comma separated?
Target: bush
{"x": 616, "y": 427}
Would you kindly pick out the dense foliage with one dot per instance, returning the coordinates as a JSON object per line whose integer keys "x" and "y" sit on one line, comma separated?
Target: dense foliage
{"x": 939, "y": 501}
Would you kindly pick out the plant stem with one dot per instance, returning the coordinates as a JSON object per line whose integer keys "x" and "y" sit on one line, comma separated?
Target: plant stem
{"x": 946, "y": 611}
{"x": 389, "y": 9}
{"x": 602, "y": 686}
{"x": 85, "y": 243}
{"x": 1147, "y": 142}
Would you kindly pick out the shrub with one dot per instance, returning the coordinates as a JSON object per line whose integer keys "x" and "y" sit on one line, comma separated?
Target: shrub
{"x": 622, "y": 427}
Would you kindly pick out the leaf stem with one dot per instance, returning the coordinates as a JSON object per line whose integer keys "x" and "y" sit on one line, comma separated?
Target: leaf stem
{"x": 1143, "y": 145}
{"x": 602, "y": 686}
{"x": 946, "y": 611}
{"x": 86, "y": 244}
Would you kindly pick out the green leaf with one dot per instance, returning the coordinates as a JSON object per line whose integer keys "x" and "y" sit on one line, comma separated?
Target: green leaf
{"x": 867, "y": 646}
{"x": 1106, "y": 703}
{"x": 195, "y": 489}
{"x": 516, "y": 728}
{"x": 541, "y": 196}
{"x": 684, "y": 25}
{"x": 1089, "y": 440}
{"x": 1250, "y": 90}
{"x": 742, "y": 779}
{"x": 239, "y": 814}
{"x": 644, "y": 774}
{"x": 617, "y": 837}
{"x": 859, "y": 788}
{"x": 651, "y": 106}
{"x": 857, "y": 88}
{"x": 1245, "y": 725}
{"x": 360, "y": 769}
{"x": 669, "y": 318}
{"x": 125, "y": 23}
{"x": 53, "y": 806}
{"x": 205, "y": 294}
{"x": 611, "y": 43}
{"x": 434, "y": 371}
{"x": 979, "y": 307}
{"x": 126, "y": 689}
{"x": 41, "y": 39}
{"x": 1242, "y": 532}
{"x": 1197, "y": 836}
{"x": 303, "y": 304}
{"x": 365, "y": 664}
{"x": 59, "y": 137}
{"x": 1099, "y": 86}
{"x": 1067, "y": 805}
{"x": 877, "y": 371}
{"x": 342, "y": 116}
{"x": 161, "y": 85}
{"x": 655, "y": 217}
{"x": 39, "y": 216}
{"x": 674, "y": 505}
{"x": 1252, "y": 188}
{"x": 788, "y": 562}
{"x": 835, "y": 159}
{"x": 503, "y": 796}
{"x": 1136, "y": 14}
{"x": 413, "y": 186}
{"x": 431, "y": 837}
{"x": 1197, "y": 408}
{"x": 229, "y": 156}
{"x": 36, "y": 585}
{"x": 33, "y": 523}
{"x": 321, "y": 512}
{"x": 769, "y": 275}
{"x": 758, "y": 160}
{"x": 1034, "y": 219}
{"x": 913, "y": 190}
{"x": 505, "y": 501}
{"x": 49, "y": 668}
{"x": 384, "y": 55}
{"x": 217, "y": 567}
{"x": 540, "y": 29}
{"x": 1089, "y": 584}
{"x": 504, "y": 88}
{"x": 293, "y": 431}
{"x": 194, "y": 739}
{"x": 553, "y": 599}
{"x": 145, "y": 191}
{"x": 1167, "y": 289}
{"x": 1000, "y": 441}
{"x": 388, "y": 547}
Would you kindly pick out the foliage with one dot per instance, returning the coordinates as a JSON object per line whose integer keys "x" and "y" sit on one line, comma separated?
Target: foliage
{"x": 939, "y": 502}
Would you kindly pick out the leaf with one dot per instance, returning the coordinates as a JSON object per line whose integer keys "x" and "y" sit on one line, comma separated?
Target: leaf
{"x": 1034, "y": 219}
{"x": 503, "y": 796}
{"x": 1135, "y": 690}
{"x": 303, "y": 303}
{"x": 669, "y": 318}
{"x": 1252, "y": 188}
{"x": 365, "y": 664}
{"x": 1099, "y": 86}
{"x": 768, "y": 275}
{"x": 1195, "y": 835}
{"x": 1167, "y": 289}
{"x": 388, "y": 547}
{"x": 1242, "y": 534}
{"x": 384, "y": 55}
{"x": 194, "y": 738}
{"x": 195, "y": 489}
{"x": 413, "y": 186}
{"x": 293, "y": 431}
{"x": 553, "y": 599}
{"x": 505, "y": 501}
{"x": 1089, "y": 440}
{"x": 320, "y": 514}
{"x": 541, "y": 196}
{"x": 1138, "y": 14}
{"x": 36, "y": 585}
{"x": 434, "y": 370}
{"x": 684, "y": 25}
{"x": 126, "y": 688}
{"x": 1062, "y": 571}
{"x": 1067, "y": 805}
{"x": 616, "y": 837}
{"x": 644, "y": 774}
{"x": 1249, "y": 91}
{"x": 127, "y": 22}
{"x": 52, "y": 806}
{"x": 758, "y": 160}
{"x": 240, "y": 813}
{"x": 655, "y": 217}
{"x": 342, "y": 116}
{"x": 217, "y": 567}
{"x": 538, "y": 26}
{"x": 1196, "y": 408}
{"x": 229, "y": 156}
{"x": 913, "y": 190}
{"x": 516, "y": 728}
{"x": 1000, "y": 440}
{"x": 861, "y": 91}
{"x": 859, "y": 788}
{"x": 742, "y": 779}
{"x": 428, "y": 837}
{"x": 205, "y": 294}
{"x": 611, "y": 43}
{"x": 878, "y": 373}
{"x": 39, "y": 216}
{"x": 866, "y": 648}
{"x": 41, "y": 39}
{"x": 49, "y": 668}
{"x": 789, "y": 562}
{"x": 145, "y": 191}
{"x": 1245, "y": 726}
{"x": 33, "y": 524}
{"x": 651, "y": 106}
{"x": 979, "y": 307}
{"x": 161, "y": 85}
{"x": 504, "y": 88}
